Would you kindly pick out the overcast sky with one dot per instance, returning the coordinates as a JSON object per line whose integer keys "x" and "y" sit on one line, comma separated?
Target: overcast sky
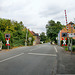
{"x": 36, "y": 13}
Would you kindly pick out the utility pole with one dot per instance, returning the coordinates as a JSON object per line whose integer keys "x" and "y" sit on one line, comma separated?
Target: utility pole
{"x": 26, "y": 37}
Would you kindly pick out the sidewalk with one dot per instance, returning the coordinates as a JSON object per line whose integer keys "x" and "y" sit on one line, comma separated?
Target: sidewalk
{"x": 66, "y": 62}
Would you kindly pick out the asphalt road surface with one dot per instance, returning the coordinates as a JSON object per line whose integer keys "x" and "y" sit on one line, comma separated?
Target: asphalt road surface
{"x": 34, "y": 60}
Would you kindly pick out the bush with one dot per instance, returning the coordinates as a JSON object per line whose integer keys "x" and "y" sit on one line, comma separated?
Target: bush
{"x": 73, "y": 41}
{"x": 18, "y": 42}
{"x": 4, "y": 46}
{"x": 73, "y": 49}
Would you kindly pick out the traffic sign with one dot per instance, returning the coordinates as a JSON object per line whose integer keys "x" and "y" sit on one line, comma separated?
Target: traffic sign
{"x": 30, "y": 38}
{"x": 64, "y": 42}
{"x": 71, "y": 35}
{"x": 7, "y": 41}
{"x": 7, "y": 35}
{"x": 64, "y": 34}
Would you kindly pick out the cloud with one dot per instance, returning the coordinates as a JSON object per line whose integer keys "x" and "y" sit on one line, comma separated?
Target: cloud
{"x": 51, "y": 11}
{"x": 36, "y": 13}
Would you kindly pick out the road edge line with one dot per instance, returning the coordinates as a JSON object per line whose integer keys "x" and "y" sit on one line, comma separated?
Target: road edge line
{"x": 55, "y": 49}
{"x": 11, "y": 57}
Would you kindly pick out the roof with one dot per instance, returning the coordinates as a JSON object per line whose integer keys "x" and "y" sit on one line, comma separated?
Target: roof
{"x": 69, "y": 28}
{"x": 33, "y": 33}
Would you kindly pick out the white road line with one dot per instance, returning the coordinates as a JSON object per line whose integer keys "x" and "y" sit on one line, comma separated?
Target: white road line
{"x": 65, "y": 74}
{"x": 42, "y": 54}
{"x": 34, "y": 49}
{"x": 55, "y": 49}
{"x": 11, "y": 57}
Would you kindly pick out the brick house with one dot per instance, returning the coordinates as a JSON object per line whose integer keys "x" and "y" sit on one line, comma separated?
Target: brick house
{"x": 64, "y": 30}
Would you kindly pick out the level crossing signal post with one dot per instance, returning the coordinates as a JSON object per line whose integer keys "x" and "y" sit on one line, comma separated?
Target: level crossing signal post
{"x": 64, "y": 39}
{"x": 64, "y": 42}
{"x": 7, "y": 37}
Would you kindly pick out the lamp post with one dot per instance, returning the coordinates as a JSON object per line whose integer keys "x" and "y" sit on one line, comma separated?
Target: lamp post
{"x": 71, "y": 34}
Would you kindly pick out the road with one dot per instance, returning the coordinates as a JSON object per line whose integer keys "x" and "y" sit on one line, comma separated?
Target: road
{"x": 33, "y": 60}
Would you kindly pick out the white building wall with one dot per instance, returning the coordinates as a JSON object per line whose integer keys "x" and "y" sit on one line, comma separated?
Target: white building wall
{"x": 59, "y": 38}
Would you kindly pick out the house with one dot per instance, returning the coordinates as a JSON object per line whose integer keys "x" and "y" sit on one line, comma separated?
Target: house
{"x": 66, "y": 29}
{"x": 32, "y": 37}
{"x": 36, "y": 38}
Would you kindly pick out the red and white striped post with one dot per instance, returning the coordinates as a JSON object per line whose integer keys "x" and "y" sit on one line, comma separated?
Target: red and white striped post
{"x": 7, "y": 37}
{"x": 66, "y": 17}
{"x": 67, "y": 29}
{"x": 7, "y": 44}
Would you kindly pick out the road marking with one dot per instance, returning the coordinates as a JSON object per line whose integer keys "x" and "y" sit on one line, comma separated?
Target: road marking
{"x": 65, "y": 74}
{"x": 55, "y": 49}
{"x": 11, "y": 57}
{"x": 35, "y": 49}
{"x": 42, "y": 54}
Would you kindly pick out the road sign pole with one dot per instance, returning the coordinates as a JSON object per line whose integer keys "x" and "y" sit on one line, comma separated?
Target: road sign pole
{"x": 64, "y": 44}
{"x": 8, "y": 47}
{"x": 8, "y": 44}
{"x": 7, "y": 37}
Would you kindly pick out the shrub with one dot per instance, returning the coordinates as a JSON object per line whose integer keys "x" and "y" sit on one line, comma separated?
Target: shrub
{"x": 73, "y": 49}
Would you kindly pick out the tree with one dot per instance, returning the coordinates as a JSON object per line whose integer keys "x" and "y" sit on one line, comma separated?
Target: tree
{"x": 53, "y": 29}
{"x": 42, "y": 37}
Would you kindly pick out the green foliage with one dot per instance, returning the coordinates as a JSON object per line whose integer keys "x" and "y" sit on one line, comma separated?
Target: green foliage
{"x": 16, "y": 30}
{"x": 73, "y": 48}
{"x": 30, "y": 42}
{"x": 73, "y": 41}
{"x": 44, "y": 38}
{"x": 0, "y": 35}
{"x": 53, "y": 29}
